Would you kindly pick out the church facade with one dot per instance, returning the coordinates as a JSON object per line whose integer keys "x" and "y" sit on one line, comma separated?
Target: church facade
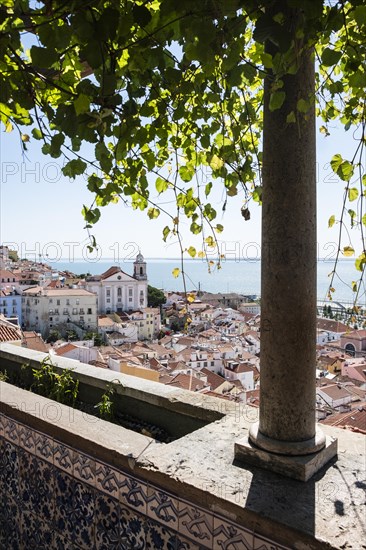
{"x": 117, "y": 291}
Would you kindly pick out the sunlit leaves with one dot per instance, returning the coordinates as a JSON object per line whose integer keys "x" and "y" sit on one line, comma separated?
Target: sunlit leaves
{"x": 331, "y": 221}
{"x": 343, "y": 168}
{"x": 352, "y": 194}
{"x": 348, "y": 251}
{"x": 176, "y": 272}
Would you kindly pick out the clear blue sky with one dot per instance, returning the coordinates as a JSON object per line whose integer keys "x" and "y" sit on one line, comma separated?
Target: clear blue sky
{"x": 39, "y": 207}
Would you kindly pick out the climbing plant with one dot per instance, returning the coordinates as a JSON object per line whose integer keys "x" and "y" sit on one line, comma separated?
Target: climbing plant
{"x": 169, "y": 95}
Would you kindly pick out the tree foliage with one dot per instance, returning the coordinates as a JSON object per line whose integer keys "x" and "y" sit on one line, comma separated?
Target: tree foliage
{"x": 155, "y": 297}
{"x": 169, "y": 95}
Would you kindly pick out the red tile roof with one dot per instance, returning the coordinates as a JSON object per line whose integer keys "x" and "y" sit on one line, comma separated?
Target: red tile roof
{"x": 9, "y": 333}
{"x": 354, "y": 420}
{"x": 187, "y": 382}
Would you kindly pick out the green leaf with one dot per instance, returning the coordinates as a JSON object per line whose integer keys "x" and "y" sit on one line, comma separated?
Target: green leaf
{"x": 161, "y": 185}
{"x": 331, "y": 221}
{"x": 43, "y": 57}
{"x": 141, "y": 15}
{"x": 74, "y": 168}
{"x": 153, "y": 213}
{"x": 360, "y": 262}
{"x": 348, "y": 251}
{"x": 192, "y": 251}
{"x": 186, "y": 173}
{"x": 36, "y": 133}
{"x": 216, "y": 162}
{"x": 291, "y": 117}
{"x": 82, "y": 104}
{"x": 343, "y": 168}
{"x": 330, "y": 57}
{"x": 276, "y": 100}
{"x": 352, "y": 193}
{"x": 166, "y": 232}
{"x": 302, "y": 106}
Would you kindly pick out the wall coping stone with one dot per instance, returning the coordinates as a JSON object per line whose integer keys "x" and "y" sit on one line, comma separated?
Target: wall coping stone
{"x": 326, "y": 512}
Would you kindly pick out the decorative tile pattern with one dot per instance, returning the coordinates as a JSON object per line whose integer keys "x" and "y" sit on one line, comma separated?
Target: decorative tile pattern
{"x": 10, "y": 430}
{"x": 63, "y": 457}
{"x": 133, "y": 493}
{"x": 132, "y": 534}
{"x": 159, "y": 537}
{"x": 260, "y": 543}
{"x": 9, "y": 470}
{"x": 162, "y": 507}
{"x": 228, "y": 536}
{"x": 107, "y": 527}
{"x": 57, "y": 497}
{"x": 45, "y": 447}
{"x": 36, "y": 534}
{"x": 84, "y": 468}
{"x": 74, "y": 509}
{"x": 27, "y": 438}
{"x": 107, "y": 479}
{"x": 36, "y": 485}
{"x": 1, "y": 425}
{"x": 9, "y": 524}
{"x": 196, "y": 524}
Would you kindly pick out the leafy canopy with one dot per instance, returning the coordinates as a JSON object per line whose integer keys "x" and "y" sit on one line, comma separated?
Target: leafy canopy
{"x": 170, "y": 96}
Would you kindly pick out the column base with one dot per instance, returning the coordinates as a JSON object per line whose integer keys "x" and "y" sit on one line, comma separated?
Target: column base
{"x": 301, "y": 467}
{"x": 294, "y": 448}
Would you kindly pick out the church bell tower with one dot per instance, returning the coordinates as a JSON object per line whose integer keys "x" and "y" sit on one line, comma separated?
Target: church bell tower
{"x": 139, "y": 268}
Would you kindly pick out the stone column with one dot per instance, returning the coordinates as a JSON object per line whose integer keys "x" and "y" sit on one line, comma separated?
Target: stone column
{"x": 288, "y": 293}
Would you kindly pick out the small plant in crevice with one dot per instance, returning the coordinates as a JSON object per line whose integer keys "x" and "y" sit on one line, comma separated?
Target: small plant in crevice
{"x": 105, "y": 407}
{"x": 3, "y": 376}
{"x": 62, "y": 387}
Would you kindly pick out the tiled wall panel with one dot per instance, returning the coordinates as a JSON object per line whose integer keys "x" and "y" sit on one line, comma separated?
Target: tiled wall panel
{"x": 56, "y": 497}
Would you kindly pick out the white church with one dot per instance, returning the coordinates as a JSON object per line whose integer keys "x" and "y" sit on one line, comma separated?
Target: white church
{"x": 117, "y": 291}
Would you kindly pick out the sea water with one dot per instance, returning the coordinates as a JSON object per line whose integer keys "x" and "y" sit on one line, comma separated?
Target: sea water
{"x": 234, "y": 276}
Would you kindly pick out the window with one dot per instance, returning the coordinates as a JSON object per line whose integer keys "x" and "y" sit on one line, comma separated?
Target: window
{"x": 77, "y": 301}
{"x": 58, "y": 302}
{"x": 130, "y": 291}
{"x": 108, "y": 292}
{"x": 119, "y": 291}
{"x": 90, "y": 312}
{"x": 67, "y": 302}
{"x": 81, "y": 311}
{"x": 50, "y": 301}
{"x": 51, "y": 319}
{"x": 119, "y": 299}
{"x": 108, "y": 300}
{"x": 130, "y": 299}
{"x": 74, "y": 311}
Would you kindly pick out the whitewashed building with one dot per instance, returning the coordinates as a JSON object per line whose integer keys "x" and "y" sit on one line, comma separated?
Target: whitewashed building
{"x": 44, "y": 309}
{"x": 117, "y": 291}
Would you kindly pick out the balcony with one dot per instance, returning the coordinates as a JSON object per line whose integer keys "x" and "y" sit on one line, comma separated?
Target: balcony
{"x": 70, "y": 479}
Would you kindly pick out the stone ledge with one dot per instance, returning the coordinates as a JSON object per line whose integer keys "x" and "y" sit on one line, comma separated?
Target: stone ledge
{"x": 301, "y": 468}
